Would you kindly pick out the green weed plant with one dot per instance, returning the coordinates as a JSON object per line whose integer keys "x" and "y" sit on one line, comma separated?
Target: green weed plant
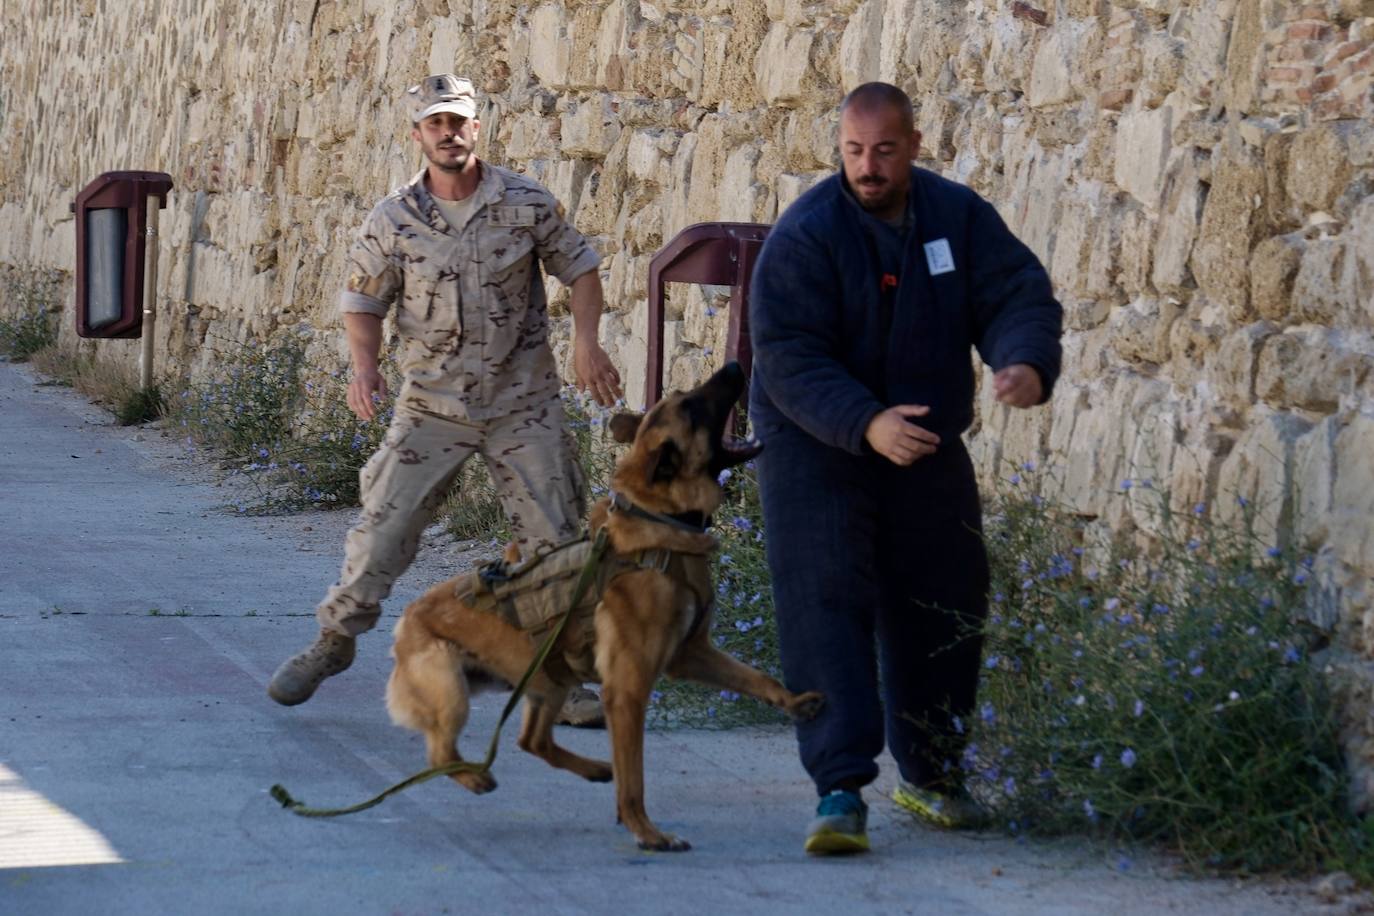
{"x": 31, "y": 297}
{"x": 1166, "y": 695}
{"x": 282, "y": 425}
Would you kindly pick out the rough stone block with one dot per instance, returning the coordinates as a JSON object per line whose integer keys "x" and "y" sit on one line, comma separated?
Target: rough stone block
{"x": 861, "y": 46}
{"x": 1322, "y": 288}
{"x": 1137, "y": 245}
{"x": 1352, "y": 503}
{"x": 1052, "y": 75}
{"x": 1309, "y": 370}
{"x": 1319, "y": 167}
{"x": 1314, "y": 477}
{"x": 1231, "y": 369}
{"x": 1256, "y": 478}
{"x": 1144, "y": 142}
{"x": 1162, "y": 63}
{"x": 1141, "y": 330}
{"x": 782, "y": 65}
{"x": 1231, "y": 221}
{"x": 591, "y": 128}
{"x": 1178, "y": 227}
{"x": 1273, "y": 270}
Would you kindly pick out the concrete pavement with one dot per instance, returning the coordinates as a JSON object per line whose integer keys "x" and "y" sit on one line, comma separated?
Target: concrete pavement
{"x": 140, "y": 623}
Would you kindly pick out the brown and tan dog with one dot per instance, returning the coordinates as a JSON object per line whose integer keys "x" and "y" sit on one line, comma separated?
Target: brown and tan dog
{"x": 647, "y": 622}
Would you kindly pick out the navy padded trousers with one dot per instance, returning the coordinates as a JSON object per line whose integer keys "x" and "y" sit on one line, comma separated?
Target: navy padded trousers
{"x": 876, "y": 565}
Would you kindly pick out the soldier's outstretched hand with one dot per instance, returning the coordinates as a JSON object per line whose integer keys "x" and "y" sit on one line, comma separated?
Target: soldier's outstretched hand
{"x": 365, "y": 391}
{"x": 595, "y": 373}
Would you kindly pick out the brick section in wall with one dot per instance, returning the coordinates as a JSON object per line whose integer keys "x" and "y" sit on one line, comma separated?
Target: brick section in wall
{"x": 1321, "y": 66}
{"x": 1121, "y": 66}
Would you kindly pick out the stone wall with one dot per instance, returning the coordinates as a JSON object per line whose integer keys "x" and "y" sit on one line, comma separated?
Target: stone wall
{"x": 1197, "y": 174}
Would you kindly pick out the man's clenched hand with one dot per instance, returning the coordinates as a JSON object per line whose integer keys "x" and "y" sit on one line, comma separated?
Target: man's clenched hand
{"x": 897, "y": 439}
{"x": 1018, "y": 385}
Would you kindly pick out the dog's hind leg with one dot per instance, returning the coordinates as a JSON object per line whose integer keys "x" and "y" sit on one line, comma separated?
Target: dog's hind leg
{"x": 428, "y": 692}
{"x": 536, "y": 737}
{"x": 702, "y": 662}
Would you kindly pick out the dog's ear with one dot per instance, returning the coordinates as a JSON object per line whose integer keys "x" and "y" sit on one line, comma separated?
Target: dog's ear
{"x": 664, "y": 462}
{"x": 623, "y": 426}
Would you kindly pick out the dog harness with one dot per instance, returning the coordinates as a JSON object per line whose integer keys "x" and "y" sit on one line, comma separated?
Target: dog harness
{"x": 533, "y": 594}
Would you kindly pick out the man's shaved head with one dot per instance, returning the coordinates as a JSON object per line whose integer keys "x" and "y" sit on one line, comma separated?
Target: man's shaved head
{"x": 871, "y": 98}
{"x": 878, "y": 141}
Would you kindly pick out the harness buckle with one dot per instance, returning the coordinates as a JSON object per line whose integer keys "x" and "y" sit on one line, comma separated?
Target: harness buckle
{"x": 494, "y": 573}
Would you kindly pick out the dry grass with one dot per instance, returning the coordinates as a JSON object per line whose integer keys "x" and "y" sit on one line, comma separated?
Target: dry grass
{"x": 108, "y": 379}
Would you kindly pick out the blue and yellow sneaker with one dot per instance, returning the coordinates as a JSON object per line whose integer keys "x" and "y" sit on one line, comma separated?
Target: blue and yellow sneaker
{"x": 840, "y": 825}
{"x": 948, "y": 810}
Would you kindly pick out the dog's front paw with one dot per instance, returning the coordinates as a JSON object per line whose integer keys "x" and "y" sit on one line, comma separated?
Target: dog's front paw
{"x": 664, "y": 842}
{"x": 476, "y": 783}
{"x": 806, "y": 706}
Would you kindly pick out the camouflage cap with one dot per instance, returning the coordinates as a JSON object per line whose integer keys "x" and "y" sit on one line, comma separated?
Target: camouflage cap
{"x": 441, "y": 92}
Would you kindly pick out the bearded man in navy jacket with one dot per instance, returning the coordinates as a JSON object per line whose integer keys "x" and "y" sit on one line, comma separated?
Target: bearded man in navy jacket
{"x": 866, "y": 301}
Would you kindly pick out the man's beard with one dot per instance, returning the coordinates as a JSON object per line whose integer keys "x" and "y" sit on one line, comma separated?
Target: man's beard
{"x": 887, "y": 195}
{"x": 440, "y": 158}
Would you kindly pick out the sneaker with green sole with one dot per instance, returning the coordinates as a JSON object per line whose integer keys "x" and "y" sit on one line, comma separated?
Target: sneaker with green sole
{"x": 840, "y": 825}
{"x": 948, "y": 810}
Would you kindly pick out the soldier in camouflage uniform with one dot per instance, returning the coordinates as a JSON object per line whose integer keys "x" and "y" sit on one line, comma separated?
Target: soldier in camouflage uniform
{"x": 457, "y": 252}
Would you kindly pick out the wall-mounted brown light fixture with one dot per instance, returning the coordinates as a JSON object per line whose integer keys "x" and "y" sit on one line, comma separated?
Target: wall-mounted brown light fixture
{"x": 116, "y": 257}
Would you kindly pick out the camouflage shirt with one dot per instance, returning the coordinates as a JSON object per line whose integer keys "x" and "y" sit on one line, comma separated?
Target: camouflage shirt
{"x": 470, "y": 299}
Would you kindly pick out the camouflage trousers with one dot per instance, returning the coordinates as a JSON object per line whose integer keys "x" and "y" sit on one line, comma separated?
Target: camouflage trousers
{"x": 532, "y": 461}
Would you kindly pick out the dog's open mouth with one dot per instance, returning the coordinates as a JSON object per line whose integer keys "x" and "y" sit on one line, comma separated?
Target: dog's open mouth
{"x": 737, "y": 451}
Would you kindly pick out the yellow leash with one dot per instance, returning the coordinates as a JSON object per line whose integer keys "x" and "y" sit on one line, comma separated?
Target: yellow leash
{"x": 465, "y": 766}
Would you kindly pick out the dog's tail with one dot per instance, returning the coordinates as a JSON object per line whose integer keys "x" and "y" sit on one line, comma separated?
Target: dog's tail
{"x": 427, "y": 690}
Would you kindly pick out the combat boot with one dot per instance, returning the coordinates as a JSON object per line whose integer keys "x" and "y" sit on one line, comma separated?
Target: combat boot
{"x": 582, "y": 709}
{"x": 298, "y": 676}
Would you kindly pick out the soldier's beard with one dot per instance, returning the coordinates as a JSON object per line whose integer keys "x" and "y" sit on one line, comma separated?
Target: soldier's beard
{"x": 448, "y": 160}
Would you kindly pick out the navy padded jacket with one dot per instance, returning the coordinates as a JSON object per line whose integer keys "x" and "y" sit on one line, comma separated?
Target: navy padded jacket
{"x": 827, "y": 361}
